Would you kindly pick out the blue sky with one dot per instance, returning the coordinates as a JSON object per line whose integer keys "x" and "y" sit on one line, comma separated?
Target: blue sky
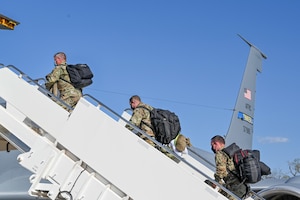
{"x": 184, "y": 56}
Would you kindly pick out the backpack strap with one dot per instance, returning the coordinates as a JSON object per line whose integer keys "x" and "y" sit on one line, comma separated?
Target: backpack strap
{"x": 149, "y": 125}
{"x": 175, "y": 140}
{"x": 61, "y": 66}
{"x": 234, "y": 171}
{"x": 65, "y": 80}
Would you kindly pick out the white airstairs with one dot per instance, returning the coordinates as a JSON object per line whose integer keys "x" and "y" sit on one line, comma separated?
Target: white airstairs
{"x": 87, "y": 153}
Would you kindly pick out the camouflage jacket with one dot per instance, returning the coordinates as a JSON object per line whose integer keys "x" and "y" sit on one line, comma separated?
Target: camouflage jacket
{"x": 60, "y": 75}
{"x": 223, "y": 164}
{"x": 141, "y": 118}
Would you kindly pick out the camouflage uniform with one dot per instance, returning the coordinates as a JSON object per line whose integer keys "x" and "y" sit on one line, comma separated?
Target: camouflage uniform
{"x": 141, "y": 118}
{"x": 67, "y": 92}
{"x": 225, "y": 170}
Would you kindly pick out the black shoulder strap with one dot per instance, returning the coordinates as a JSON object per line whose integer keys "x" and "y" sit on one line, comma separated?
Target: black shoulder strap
{"x": 68, "y": 75}
{"x": 65, "y": 80}
{"x": 149, "y": 125}
{"x": 231, "y": 149}
{"x": 233, "y": 172}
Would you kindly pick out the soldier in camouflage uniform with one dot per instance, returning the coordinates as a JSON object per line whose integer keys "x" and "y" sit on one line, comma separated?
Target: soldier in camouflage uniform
{"x": 141, "y": 117}
{"x": 59, "y": 75}
{"x": 225, "y": 169}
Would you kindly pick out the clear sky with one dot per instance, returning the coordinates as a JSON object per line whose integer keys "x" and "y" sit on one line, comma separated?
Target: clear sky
{"x": 184, "y": 56}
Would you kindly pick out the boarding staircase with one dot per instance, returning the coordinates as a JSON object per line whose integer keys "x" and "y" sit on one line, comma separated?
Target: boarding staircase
{"x": 86, "y": 153}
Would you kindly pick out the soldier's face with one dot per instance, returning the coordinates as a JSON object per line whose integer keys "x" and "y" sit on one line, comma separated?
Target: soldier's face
{"x": 133, "y": 103}
{"x": 216, "y": 146}
{"x": 58, "y": 60}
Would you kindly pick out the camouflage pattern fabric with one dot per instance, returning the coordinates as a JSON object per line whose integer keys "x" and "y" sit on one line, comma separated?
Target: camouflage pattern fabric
{"x": 141, "y": 118}
{"x": 231, "y": 181}
{"x": 67, "y": 92}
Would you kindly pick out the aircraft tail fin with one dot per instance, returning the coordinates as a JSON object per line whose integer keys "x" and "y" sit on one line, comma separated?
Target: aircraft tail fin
{"x": 241, "y": 127}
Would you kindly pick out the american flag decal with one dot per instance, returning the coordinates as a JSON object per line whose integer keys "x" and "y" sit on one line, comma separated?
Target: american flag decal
{"x": 247, "y": 94}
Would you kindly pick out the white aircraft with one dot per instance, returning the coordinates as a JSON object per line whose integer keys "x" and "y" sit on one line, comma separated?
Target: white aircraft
{"x": 40, "y": 156}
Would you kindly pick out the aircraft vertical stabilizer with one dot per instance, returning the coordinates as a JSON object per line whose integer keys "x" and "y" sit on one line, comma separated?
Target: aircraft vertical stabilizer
{"x": 241, "y": 127}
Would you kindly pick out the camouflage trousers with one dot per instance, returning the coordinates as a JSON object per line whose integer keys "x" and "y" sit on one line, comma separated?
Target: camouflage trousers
{"x": 239, "y": 188}
{"x": 71, "y": 97}
{"x": 68, "y": 103}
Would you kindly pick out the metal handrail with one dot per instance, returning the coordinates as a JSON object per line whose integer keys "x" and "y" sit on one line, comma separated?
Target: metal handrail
{"x": 40, "y": 87}
{"x": 135, "y": 128}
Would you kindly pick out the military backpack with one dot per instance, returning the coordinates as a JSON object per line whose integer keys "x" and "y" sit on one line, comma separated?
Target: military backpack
{"x": 80, "y": 75}
{"x": 164, "y": 123}
{"x": 247, "y": 163}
